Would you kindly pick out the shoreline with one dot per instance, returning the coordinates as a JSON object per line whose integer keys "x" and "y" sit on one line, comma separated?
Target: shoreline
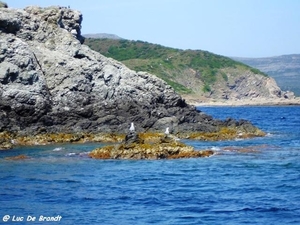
{"x": 9, "y": 140}
{"x": 250, "y": 102}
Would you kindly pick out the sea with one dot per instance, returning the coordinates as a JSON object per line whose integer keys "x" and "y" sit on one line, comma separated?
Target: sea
{"x": 251, "y": 181}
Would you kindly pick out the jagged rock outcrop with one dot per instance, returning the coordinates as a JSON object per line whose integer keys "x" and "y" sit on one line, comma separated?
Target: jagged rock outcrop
{"x": 50, "y": 82}
{"x": 249, "y": 86}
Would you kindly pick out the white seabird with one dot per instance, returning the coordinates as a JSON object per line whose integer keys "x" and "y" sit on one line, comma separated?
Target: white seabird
{"x": 132, "y": 127}
{"x": 167, "y": 132}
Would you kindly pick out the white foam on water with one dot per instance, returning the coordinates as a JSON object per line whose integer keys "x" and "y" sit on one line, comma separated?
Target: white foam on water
{"x": 215, "y": 148}
{"x": 57, "y": 149}
{"x": 71, "y": 154}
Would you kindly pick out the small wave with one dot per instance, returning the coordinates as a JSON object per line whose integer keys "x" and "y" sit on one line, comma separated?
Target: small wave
{"x": 89, "y": 199}
{"x": 216, "y": 153}
{"x": 84, "y": 154}
{"x": 215, "y": 148}
{"x": 57, "y": 149}
{"x": 267, "y": 209}
{"x": 239, "y": 139}
{"x": 72, "y": 154}
{"x": 80, "y": 154}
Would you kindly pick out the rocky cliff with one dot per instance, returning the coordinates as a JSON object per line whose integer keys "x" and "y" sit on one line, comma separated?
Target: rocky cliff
{"x": 50, "y": 82}
{"x": 284, "y": 69}
{"x": 247, "y": 86}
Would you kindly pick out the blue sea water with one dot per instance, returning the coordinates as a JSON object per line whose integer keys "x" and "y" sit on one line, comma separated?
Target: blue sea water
{"x": 254, "y": 181}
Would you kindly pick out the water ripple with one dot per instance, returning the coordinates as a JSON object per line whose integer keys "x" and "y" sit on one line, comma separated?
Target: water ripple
{"x": 254, "y": 181}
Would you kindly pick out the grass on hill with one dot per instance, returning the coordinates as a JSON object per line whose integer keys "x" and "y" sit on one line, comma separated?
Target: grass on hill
{"x": 169, "y": 64}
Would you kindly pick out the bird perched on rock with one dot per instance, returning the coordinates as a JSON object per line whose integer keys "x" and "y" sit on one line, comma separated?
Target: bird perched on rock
{"x": 132, "y": 127}
{"x": 166, "y": 138}
{"x": 167, "y": 132}
{"x": 170, "y": 136}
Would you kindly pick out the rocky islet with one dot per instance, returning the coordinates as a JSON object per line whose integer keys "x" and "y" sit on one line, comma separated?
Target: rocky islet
{"x": 140, "y": 146}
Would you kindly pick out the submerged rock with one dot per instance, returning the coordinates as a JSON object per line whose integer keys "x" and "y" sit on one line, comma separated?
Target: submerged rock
{"x": 18, "y": 157}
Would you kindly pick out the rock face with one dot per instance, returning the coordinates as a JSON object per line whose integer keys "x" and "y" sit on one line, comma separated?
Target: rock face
{"x": 249, "y": 86}
{"x": 285, "y": 69}
{"x": 50, "y": 82}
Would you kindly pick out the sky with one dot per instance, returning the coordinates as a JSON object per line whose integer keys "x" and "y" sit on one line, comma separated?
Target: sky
{"x": 236, "y": 28}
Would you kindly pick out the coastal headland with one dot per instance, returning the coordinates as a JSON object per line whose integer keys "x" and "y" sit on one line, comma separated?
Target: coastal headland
{"x": 54, "y": 89}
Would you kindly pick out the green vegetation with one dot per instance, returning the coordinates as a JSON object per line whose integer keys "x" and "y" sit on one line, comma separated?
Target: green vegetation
{"x": 185, "y": 70}
{"x": 178, "y": 87}
{"x": 257, "y": 71}
{"x": 206, "y": 88}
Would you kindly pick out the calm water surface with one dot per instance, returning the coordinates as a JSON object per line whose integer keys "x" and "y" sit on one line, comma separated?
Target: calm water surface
{"x": 254, "y": 181}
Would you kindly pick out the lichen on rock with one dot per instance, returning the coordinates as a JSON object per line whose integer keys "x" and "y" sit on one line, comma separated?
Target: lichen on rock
{"x": 139, "y": 148}
{"x": 225, "y": 133}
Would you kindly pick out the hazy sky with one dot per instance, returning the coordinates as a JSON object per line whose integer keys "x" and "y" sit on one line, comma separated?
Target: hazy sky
{"x": 244, "y": 28}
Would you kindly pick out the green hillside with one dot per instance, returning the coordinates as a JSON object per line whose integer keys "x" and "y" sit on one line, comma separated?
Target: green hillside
{"x": 187, "y": 71}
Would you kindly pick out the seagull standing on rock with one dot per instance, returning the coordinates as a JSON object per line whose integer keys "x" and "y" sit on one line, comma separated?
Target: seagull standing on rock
{"x": 132, "y": 129}
{"x": 168, "y": 135}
